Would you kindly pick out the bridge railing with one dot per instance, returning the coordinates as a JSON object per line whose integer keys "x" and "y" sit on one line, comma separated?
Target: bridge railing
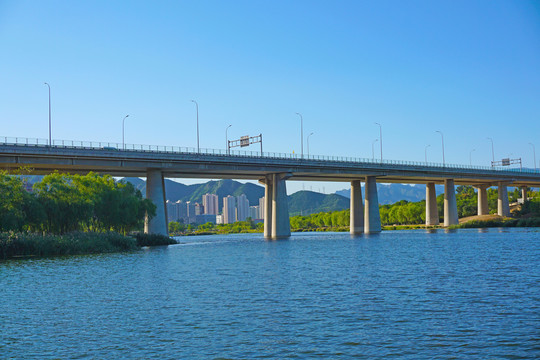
{"x": 118, "y": 147}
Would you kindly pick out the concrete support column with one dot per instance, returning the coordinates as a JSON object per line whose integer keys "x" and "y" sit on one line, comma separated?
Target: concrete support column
{"x": 450, "y": 203}
{"x": 155, "y": 191}
{"x": 483, "y": 208}
{"x": 432, "y": 213}
{"x": 503, "y": 207}
{"x": 357, "y": 209}
{"x": 524, "y": 193}
{"x": 281, "y": 225}
{"x": 372, "y": 218}
{"x": 268, "y": 191}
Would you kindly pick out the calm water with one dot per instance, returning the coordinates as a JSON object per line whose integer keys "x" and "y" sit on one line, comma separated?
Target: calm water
{"x": 403, "y": 294}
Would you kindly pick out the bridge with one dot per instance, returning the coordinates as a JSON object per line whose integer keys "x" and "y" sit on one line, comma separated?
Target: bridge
{"x": 271, "y": 169}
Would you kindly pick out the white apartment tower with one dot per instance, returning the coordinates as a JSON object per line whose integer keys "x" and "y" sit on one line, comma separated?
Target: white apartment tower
{"x": 229, "y": 209}
{"x": 210, "y": 203}
{"x": 242, "y": 207}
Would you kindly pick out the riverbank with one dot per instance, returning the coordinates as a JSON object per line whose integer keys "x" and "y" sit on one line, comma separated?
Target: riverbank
{"x": 26, "y": 245}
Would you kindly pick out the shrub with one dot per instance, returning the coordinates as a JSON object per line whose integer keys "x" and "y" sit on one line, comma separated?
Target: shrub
{"x": 154, "y": 240}
{"x": 30, "y": 244}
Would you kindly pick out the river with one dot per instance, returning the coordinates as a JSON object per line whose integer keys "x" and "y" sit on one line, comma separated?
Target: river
{"x": 415, "y": 294}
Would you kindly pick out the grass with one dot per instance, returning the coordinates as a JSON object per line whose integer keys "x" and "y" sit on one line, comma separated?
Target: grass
{"x": 153, "y": 240}
{"x": 21, "y": 245}
{"x": 14, "y": 245}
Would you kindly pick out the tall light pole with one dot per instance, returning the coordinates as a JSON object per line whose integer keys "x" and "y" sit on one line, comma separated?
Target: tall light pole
{"x": 492, "y": 151}
{"x": 380, "y": 137}
{"x": 197, "y": 106}
{"x": 308, "y": 144}
{"x": 123, "y": 143}
{"x": 227, "y": 139}
{"x": 50, "y": 138}
{"x": 442, "y": 141}
{"x": 470, "y": 156}
{"x": 373, "y": 149}
{"x": 301, "y": 134}
{"x": 534, "y": 153}
{"x": 425, "y": 152}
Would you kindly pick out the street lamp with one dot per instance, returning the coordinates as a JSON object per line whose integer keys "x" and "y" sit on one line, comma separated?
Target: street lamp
{"x": 373, "y": 149}
{"x": 470, "y": 156}
{"x": 197, "y": 106}
{"x": 50, "y": 140}
{"x": 301, "y": 134}
{"x": 227, "y": 139}
{"x": 492, "y": 152}
{"x": 442, "y": 140}
{"x": 425, "y": 152}
{"x": 123, "y": 143}
{"x": 534, "y": 153}
{"x": 308, "y": 144}
{"x": 380, "y": 136}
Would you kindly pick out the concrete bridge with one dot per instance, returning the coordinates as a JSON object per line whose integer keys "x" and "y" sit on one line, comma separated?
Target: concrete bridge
{"x": 271, "y": 169}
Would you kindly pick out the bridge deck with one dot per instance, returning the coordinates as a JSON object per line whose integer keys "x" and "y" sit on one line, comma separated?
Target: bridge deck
{"x": 185, "y": 163}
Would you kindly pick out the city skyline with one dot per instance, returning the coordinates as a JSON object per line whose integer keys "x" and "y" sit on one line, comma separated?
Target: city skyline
{"x": 466, "y": 69}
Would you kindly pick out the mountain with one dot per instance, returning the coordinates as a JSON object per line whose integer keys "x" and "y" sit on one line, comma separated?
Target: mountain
{"x": 391, "y": 193}
{"x": 176, "y": 191}
{"x": 309, "y": 202}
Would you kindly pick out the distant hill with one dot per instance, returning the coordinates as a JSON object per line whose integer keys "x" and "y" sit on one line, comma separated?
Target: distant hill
{"x": 176, "y": 191}
{"x": 391, "y": 193}
{"x": 309, "y": 202}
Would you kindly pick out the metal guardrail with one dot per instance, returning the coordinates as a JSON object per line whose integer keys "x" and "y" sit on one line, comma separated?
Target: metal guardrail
{"x": 117, "y": 147}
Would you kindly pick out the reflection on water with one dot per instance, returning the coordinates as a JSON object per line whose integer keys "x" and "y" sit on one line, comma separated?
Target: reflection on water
{"x": 419, "y": 294}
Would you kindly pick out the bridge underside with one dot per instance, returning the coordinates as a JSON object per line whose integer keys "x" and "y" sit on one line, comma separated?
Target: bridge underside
{"x": 180, "y": 172}
{"x": 273, "y": 172}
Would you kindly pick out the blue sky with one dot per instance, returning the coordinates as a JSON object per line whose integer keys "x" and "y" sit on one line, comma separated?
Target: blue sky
{"x": 470, "y": 69}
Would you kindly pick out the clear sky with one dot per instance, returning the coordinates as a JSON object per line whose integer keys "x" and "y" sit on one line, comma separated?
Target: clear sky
{"x": 470, "y": 69}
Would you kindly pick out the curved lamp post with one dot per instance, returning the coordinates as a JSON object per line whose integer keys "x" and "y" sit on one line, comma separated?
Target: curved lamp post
{"x": 470, "y": 156}
{"x": 227, "y": 139}
{"x": 197, "y": 106}
{"x": 492, "y": 151}
{"x": 442, "y": 141}
{"x": 308, "y": 144}
{"x": 123, "y": 143}
{"x": 50, "y": 139}
{"x": 301, "y": 134}
{"x": 425, "y": 152}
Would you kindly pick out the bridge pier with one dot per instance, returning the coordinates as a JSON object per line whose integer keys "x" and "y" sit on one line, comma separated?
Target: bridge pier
{"x": 357, "y": 209}
{"x": 524, "y": 193}
{"x": 276, "y": 208}
{"x": 503, "y": 207}
{"x": 432, "y": 212}
{"x": 372, "y": 217}
{"x": 281, "y": 225}
{"x": 155, "y": 191}
{"x": 483, "y": 208}
{"x": 450, "y": 203}
{"x": 267, "y": 181}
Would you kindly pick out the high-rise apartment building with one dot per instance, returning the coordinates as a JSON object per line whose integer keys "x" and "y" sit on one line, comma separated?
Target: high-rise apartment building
{"x": 229, "y": 209}
{"x": 210, "y": 203}
{"x": 242, "y": 208}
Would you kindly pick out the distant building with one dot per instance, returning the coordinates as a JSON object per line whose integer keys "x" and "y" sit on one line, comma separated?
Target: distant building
{"x": 205, "y": 218}
{"x": 254, "y": 212}
{"x": 261, "y": 208}
{"x": 199, "y": 209}
{"x": 190, "y": 212}
{"x": 242, "y": 208}
{"x": 229, "y": 210}
{"x": 219, "y": 219}
{"x": 210, "y": 203}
